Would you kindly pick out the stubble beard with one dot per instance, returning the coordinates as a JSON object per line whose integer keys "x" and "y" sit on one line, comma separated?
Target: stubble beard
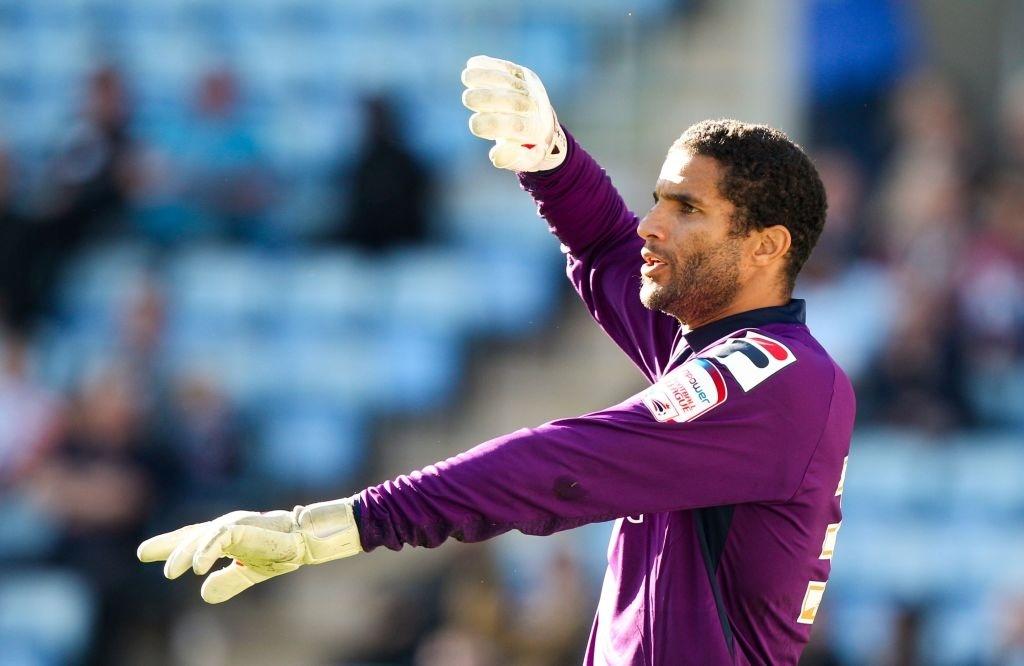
{"x": 701, "y": 286}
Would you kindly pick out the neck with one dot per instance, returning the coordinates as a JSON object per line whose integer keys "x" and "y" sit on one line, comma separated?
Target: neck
{"x": 738, "y": 305}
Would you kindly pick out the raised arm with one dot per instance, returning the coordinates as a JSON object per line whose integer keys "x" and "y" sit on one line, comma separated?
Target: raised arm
{"x": 577, "y": 199}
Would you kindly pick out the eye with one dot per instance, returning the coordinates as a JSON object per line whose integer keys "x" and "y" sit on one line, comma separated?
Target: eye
{"x": 687, "y": 208}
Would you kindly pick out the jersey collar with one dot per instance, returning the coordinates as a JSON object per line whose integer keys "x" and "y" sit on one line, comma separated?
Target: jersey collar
{"x": 790, "y": 313}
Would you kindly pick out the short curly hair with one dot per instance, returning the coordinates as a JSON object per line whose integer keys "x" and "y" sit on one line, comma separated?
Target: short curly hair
{"x": 768, "y": 178}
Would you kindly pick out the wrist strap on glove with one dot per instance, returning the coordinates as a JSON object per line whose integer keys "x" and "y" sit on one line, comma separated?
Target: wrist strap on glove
{"x": 329, "y": 530}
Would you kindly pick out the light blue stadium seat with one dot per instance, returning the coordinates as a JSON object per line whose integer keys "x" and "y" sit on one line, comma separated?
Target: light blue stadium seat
{"x": 421, "y": 369}
{"x": 240, "y": 363}
{"x": 218, "y": 291}
{"x": 522, "y": 289}
{"x": 437, "y": 290}
{"x": 99, "y": 284}
{"x": 308, "y": 446}
{"x": 900, "y": 558}
{"x": 330, "y": 292}
{"x": 861, "y": 626}
{"x": 388, "y": 371}
{"x": 46, "y": 616}
{"x": 951, "y": 631}
{"x": 896, "y": 471}
{"x": 338, "y": 369}
{"x": 985, "y": 477}
{"x": 29, "y": 531}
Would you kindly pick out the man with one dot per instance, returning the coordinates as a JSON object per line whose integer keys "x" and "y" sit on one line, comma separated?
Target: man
{"x": 724, "y": 477}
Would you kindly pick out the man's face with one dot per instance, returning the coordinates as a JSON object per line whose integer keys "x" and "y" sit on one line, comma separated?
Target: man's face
{"x": 692, "y": 264}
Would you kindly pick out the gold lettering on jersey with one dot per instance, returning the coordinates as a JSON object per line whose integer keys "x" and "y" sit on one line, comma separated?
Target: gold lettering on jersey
{"x": 829, "y": 545}
{"x": 842, "y": 477}
{"x": 812, "y": 599}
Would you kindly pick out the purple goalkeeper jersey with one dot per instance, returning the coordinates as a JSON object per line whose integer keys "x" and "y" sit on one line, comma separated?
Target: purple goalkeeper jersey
{"x": 724, "y": 477}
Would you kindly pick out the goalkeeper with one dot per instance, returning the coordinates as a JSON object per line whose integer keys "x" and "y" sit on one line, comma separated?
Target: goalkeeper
{"x": 724, "y": 477}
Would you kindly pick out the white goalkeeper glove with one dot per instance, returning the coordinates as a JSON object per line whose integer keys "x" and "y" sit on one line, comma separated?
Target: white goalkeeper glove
{"x": 513, "y": 110}
{"x": 263, "y": 545}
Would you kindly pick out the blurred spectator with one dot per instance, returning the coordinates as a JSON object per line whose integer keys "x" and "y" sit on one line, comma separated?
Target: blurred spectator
{"x": 819, "y": 651}
{"x": 917, "y": 380}
{"x": 844, "y": 289}
{"x": 87, "y": 182}
{"x": 31, "y": 418}
{"x": 550, "y": 621}
{"x": 16, "y": 255}
{"x": 906, "y": 647}
{"x": 227, "y": 184}
{"x": 924, "y": 194}
{"x": 1009, "y": 638}
{"x": 208, "y": 439}
{"x": 83, "y": 198}
{"x": 100, "y": 485}
{"x": 857, "y": 50}
{"x": 1010, "y": 143}
{"x": 990, "y": 292}
{"x": 390, "y": 188}
{"x": 472, "y": 607}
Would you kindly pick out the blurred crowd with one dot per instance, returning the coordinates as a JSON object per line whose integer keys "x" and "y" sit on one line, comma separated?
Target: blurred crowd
{"x": 199, "y": 178}
{"x": 919, "y": 275}
{"x": 917, "y": 286}
{"x": 88, "y": 468}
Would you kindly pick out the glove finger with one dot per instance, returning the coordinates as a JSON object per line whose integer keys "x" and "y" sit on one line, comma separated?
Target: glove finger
{"x": 161, "y": 546}
{"x": 499, "y": 126}
{"x": 507, "y": 154}
{"x": 254, "y": 545}
{"x": 180, "y": 559}
{"x": 233, "y": 579}
{"x": 210, "y": 548}
{"x": 491, "y": 78}
{"x": 487, "y": 62}
{"x": 506, "y": 101}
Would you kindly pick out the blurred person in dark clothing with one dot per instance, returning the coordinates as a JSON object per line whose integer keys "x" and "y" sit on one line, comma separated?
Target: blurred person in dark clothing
{"x": 1010, "y": 141}
{"x": 390, "y": 187}
{"x": 990, "y": 304}
{"x": 17, "y": 249}
{"x": 82, "y": 199}
{"x": 820, "y": 651}
{"x": 917, "y": 379}
{"x": 550, "y": 625}
{"x": 100, "y": 485}
{"x": 204, "y": 434}
{"x": 89, "y": 178}
{"x": 907, "y": 642}
{"x": 473, "y": 616}
{"x": 208, "y": 437}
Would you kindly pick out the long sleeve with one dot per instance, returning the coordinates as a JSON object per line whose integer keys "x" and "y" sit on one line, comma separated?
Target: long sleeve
{"x": 696, "y": 438}
{"x": 589, "y": 217}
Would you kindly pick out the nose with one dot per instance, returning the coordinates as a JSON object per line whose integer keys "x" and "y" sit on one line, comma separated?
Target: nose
{"x": 650, "y": 226}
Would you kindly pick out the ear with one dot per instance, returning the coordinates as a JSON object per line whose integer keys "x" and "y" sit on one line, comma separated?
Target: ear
{"x": 772, "y": 243}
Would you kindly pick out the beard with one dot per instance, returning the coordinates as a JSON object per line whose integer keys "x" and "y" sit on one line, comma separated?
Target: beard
{"x": 699, "y": 286}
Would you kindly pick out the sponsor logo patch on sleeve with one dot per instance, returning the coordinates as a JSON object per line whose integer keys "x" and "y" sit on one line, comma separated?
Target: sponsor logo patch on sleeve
{"x": 685, "y": 393}
{"x": 752, "y": 358}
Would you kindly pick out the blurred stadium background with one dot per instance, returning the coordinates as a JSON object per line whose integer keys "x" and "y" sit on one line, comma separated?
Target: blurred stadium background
{"x": 250, "y": 256}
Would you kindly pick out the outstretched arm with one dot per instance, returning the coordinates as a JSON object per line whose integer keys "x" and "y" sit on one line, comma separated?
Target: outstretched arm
{"x": 577, "y": 199}
{"x": 695, "y": 439}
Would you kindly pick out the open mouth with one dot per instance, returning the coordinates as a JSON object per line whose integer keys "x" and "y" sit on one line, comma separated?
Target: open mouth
{"x": 652, "y": 263}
